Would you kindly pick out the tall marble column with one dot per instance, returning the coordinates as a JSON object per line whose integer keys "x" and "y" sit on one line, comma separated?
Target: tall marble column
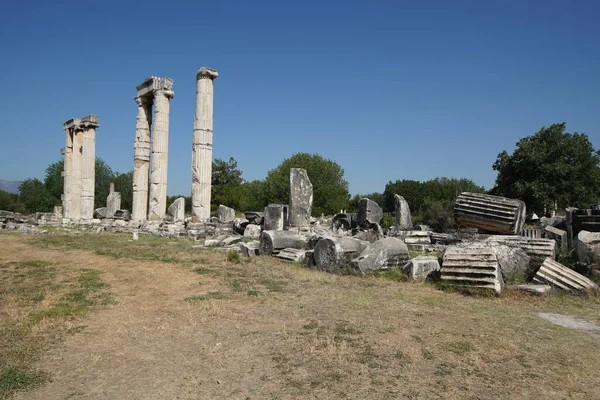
{"x": 141, "y": 159}
{"x": 160, "y": 155}
{"x": 88, "y": 165}
{"x": 76, "y": 172}
{"x": 67, "y": 173}
{"x": 202, "y": 144}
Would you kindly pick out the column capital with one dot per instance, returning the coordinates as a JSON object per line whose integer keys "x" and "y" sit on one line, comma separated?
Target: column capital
{"x": 143, "y": 100}
{"x": 153, "y": 84}
{"x": 78, "y": 124}
{"x": 163, "y": 92}
{"x": 207, "y": 73}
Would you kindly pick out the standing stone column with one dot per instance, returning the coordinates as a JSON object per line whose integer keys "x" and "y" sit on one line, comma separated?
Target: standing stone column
{"x": 141, "y": 159}
{"x": 160, "y": 155}
{"x": 88, "y": 165}
{"x": 67, "y": 173}
{"x": 202, "y": 144}
{"x": 76, "y": 172}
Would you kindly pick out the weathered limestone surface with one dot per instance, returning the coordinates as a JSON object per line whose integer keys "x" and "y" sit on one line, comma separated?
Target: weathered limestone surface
{"x": 419, "y": 268}
{"x": 100, "y": 213}
{"x": 557, "y": 275}
{"x": 330, "y": 254}
{"x": 490, "y": 213}
{"x": 472, "y": 267}
{"x": 369, "y": 213}
{"x": 514, "y": 262}
{"x": 79, "y": 167}
{"x": 250, "y": 249}
{"x": 160, "y": 155}
{"x": 291, "y": 255}
{"x": 403, "y": 218}
{"x": 141, "y": 159}
{"x": 301, "y": 198}
{"x": 536, "y": 290}
{"x": 536, "y": 249}
{"x": 273, "y": 241}
{"x": 113, "y": 202}
{"x": 226, "y": 214}
{"x": 176, "y": 210}
{"x": 588, "y": 248}
{"x": 255, "y": 217}
{"x": 276, "y": 217}
{"x": 202, "y": 144}
{"x": 558, "y": 235}
{"x": 382, "y": 254}
{"x": 252, "y": 231}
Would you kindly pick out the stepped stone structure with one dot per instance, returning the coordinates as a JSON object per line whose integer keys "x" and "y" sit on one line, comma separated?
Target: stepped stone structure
{"x": 202, "y": 145}
{"x": 490, "y": 213}
{"x": 79, "y": 170}
{"x": 150, "y": 187}
{"x": 472, "y": 267}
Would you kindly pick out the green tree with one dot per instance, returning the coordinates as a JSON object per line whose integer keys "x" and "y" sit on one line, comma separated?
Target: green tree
{"x": 330, "y": 189}
{"x": 124, "y": 185}
{"x": 254, "y": 195}
{"x": 104, "y": 176}
{"x": 10, "y": 202}
{"x": 375, "y": 196}
{"x": 54, "y": 180}
{"x": 226, "y": 184}
{"x": 35, "y": 197}
{"x": 550, "y": 168}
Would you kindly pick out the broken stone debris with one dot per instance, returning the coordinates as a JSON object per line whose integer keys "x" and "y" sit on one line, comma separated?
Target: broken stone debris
{"x": 252, "y": 231}
{"x": 271, "y": 242}
{"x": 588, "y": 248}
{"x": 276, "y": 217}
{"x": 331, "y": 254}
{"x": 369, "y": 213}
{"x": 403, "y": 218}
{"x": 472, "y": 268}
{"x": 226, "y": 214}
{"x": 537, "y": 290}
{"x": 291, "y": 255}
{"x": 176, "y": 211}
{"x": 420, "y": 267}
{"x": 382, "y": 254}
{"x": 490, "y": 213}
{"x": 563, "y": 278}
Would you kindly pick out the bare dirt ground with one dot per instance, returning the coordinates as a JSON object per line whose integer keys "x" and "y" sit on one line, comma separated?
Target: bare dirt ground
{"x": 191, "y": 324}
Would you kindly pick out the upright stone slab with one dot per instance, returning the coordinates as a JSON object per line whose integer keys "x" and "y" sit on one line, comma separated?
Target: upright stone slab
{"x": 176, "y": 210}
{"x": 276, "y": 217}
{"x": 588, "y": 248}
{"x": 403, "y": 218}
{"x": 369, "y": 213}
{"x": 490, "y": 213}
{"x": 202, "y": 144}
{"x": 113, "y": 202}
{"x": 301, "y": 198}
{"x": 226, "y": 214}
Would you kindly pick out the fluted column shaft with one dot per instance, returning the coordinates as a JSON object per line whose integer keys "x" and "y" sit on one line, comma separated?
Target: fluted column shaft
{"x": 88, "y": 172}
{"x": 67, "y": 174}
{"x": 202, "y": 145}
{"x": 160, "y": 155}
{"x": 76, "y": 173}
{"x": 141, "y": 159}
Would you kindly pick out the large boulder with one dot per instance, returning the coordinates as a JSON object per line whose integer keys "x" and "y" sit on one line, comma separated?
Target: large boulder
{"x": 100, "y": 213}
{"x": 515, "y": 264}
{"x": 331, "y": 254}
{"x": 382, "y": 254}
{"x": 369, "y": 213}
{"x": 252, "y": 231}
{"x": 403, "y": 218}
{"x": 113, "y": 203}
{"x": 301, "y": 198}
{"x": 588, "y": 248}
{"x": 255, "y": 217}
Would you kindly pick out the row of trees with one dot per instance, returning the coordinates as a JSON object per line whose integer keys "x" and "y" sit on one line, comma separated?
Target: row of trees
{"x": 549, "y": 169}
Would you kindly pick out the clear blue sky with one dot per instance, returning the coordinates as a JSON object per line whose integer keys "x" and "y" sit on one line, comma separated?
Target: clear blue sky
{"x": 389, "y": 90}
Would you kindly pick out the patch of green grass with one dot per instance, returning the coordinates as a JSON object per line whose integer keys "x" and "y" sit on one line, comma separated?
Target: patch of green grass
{"x": 253, "y": 292}
{"x": 58, "y": 311}
{"x": 417, "y": 339}
{"x": 391, "y": 274}
{"x": 76, "y": 329}
{"x": 402, "y": 358}
{"x": 202, "y": 271}
{"x": 444, "y": 369}
{"x": 427, "y": 355}
{"x": 234, "y": 257}
{"x": 273, "y": 285}
{"x": 13, "y": 379}
{"x": 459, "y": 348}
{"x": 203, "y": 297}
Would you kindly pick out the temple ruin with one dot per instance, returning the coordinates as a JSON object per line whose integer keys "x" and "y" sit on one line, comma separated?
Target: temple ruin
{"x": 151, "y": 162}
{"x": 79, "y": 169}
{"x": 202, "y": 144}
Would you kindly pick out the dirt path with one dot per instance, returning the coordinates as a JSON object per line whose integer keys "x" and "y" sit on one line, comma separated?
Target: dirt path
{"x": 151, "y": 345}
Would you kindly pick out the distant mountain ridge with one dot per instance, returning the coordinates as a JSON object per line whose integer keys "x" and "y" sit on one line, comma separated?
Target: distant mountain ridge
{"x": 10, "y": 186}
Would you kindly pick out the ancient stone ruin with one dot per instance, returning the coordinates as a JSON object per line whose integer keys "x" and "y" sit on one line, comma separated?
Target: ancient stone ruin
{"x": 202, "y": 145}
{"x": 150, "y": 202}
{"x": 79, "y": 168}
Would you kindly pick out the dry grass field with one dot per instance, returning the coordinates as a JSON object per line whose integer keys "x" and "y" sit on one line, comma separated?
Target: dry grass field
{"x": 88, "y": 316}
